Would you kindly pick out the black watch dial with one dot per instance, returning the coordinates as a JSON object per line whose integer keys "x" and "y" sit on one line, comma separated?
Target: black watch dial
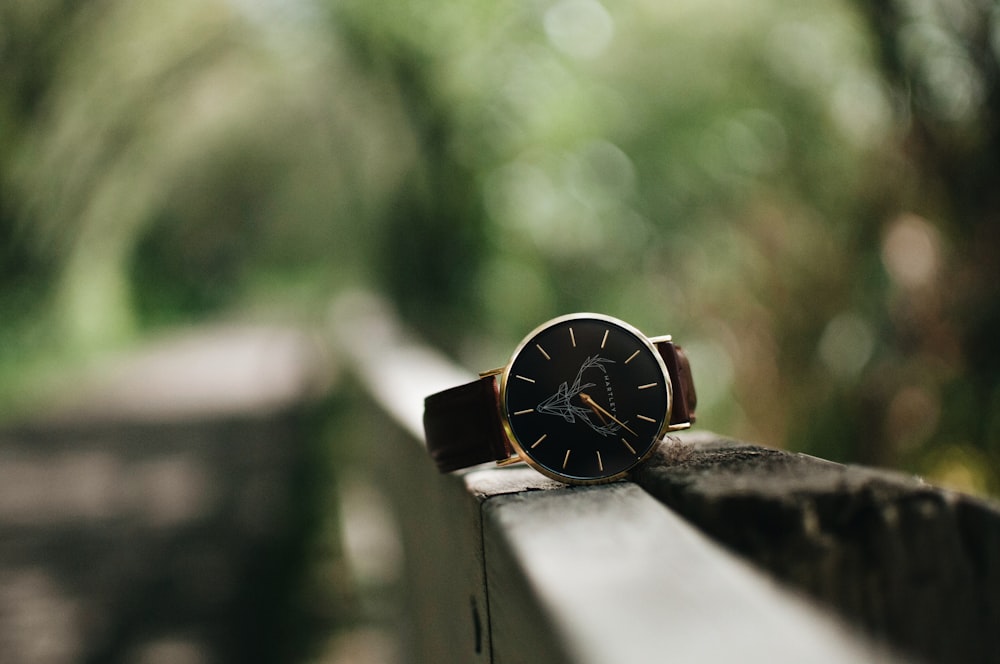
{"x": 585, "y": 398}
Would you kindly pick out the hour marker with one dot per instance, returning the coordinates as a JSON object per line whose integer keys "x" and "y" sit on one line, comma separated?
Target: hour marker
{"x": 600, "y": 464}
{"x": 572, "y": 337}
{"x": 641, "y": 387}
{"x": 630, "y": 448}
{"x": 631, "y": 357}
{"x": 648, "y": 419}
{"x": 542, "y": 351}
{"x": 605, "y": 339}
{"x": 530, "y": 380}
{"x": 535, "y": 444}
{"x": 566, "y": 459}
{"x": 531, "y": 410}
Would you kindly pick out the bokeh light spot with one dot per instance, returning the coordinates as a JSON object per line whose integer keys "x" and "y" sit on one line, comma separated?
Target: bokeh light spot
{"x": 846, "y": 345}
{"x": 912, "y": 417}
{"x": 911, "y": 251}
{"x": 582, "y": 29}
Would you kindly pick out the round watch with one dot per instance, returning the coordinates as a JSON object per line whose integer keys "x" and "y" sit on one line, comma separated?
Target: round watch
{"x": 584, "y": 399}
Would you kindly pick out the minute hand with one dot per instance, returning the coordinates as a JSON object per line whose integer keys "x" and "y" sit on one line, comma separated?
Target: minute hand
{"x": 596, "y": 406}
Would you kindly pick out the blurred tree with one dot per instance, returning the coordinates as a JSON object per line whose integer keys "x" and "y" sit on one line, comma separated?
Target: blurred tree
{"x": 29, "y": 50}
{"x": 941, "y": 243}
{"x": 744, "y": 176}
{"x": 163, "y": 162}
{"x": 802, "y": 191}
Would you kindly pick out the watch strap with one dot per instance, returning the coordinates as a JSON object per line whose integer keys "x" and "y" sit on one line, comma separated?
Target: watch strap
{"x": 685, "y": 399}
{"x": 462, "y": 425}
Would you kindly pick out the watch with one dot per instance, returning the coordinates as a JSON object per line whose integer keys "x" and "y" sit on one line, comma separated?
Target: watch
{"x": 584, "y": 399}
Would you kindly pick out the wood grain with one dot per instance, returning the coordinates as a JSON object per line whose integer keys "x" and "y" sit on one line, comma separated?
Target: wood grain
{"x": 908, "y": 562}
{"x": 607, "y": 574}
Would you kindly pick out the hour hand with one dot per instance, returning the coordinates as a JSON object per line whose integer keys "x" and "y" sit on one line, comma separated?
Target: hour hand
{"x": 596, "y": 407}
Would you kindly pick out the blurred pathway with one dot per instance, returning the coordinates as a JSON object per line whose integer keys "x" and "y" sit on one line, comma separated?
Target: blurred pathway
{"x": 154, "y": 515}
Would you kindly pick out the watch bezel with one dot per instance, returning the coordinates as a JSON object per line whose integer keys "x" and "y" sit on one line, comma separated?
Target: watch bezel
{"x": 508, "y": 429}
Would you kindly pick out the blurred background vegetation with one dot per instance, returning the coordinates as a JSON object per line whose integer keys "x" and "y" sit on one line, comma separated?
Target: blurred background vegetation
{"x": 805, "y": 194}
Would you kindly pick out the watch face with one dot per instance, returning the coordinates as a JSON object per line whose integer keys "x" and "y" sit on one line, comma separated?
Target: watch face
{"x": 585, "y": 398}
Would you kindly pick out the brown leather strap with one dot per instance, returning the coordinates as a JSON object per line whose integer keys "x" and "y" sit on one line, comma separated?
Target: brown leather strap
{"x": 462, "y": 426}
{"x": 685, "y": 398}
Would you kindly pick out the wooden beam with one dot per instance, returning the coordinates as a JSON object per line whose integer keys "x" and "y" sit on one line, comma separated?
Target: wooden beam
{"x": 608, "y": 574}
{"x": 908, "y": 562}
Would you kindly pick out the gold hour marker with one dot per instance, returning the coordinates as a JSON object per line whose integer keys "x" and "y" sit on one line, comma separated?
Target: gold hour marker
{"x": 566, "y": 459}
{"x": 531, "y": 410}
{"x": 648, "y": 419}
{"x": 631, "y": 357}
{"x": 600, "y": 464}
{"x": 630, "y": 448}
{"x": 530, "y": 380}
{"x": 572, "y": 337}
{"x": 542, "y": 351}
{"x": 641, "y": 387}
{"x": 605, "y": 339}
{"x": 535, "y": 444}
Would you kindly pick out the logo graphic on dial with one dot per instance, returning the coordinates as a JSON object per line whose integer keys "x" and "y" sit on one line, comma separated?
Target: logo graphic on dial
{"x": 561, "y": 403}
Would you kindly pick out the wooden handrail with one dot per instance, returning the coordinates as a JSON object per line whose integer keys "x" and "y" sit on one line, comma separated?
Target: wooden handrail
{"x": 504, "y": 565}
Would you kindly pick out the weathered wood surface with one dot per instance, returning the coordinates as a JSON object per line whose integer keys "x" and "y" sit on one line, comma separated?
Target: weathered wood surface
{"x": 908, "y": 562}
{"x": 612, "y": 576}
{"x": 504, "y": 565}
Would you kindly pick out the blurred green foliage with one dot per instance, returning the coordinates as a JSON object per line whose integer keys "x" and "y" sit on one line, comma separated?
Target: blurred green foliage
{"x": 804, "y": 193}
